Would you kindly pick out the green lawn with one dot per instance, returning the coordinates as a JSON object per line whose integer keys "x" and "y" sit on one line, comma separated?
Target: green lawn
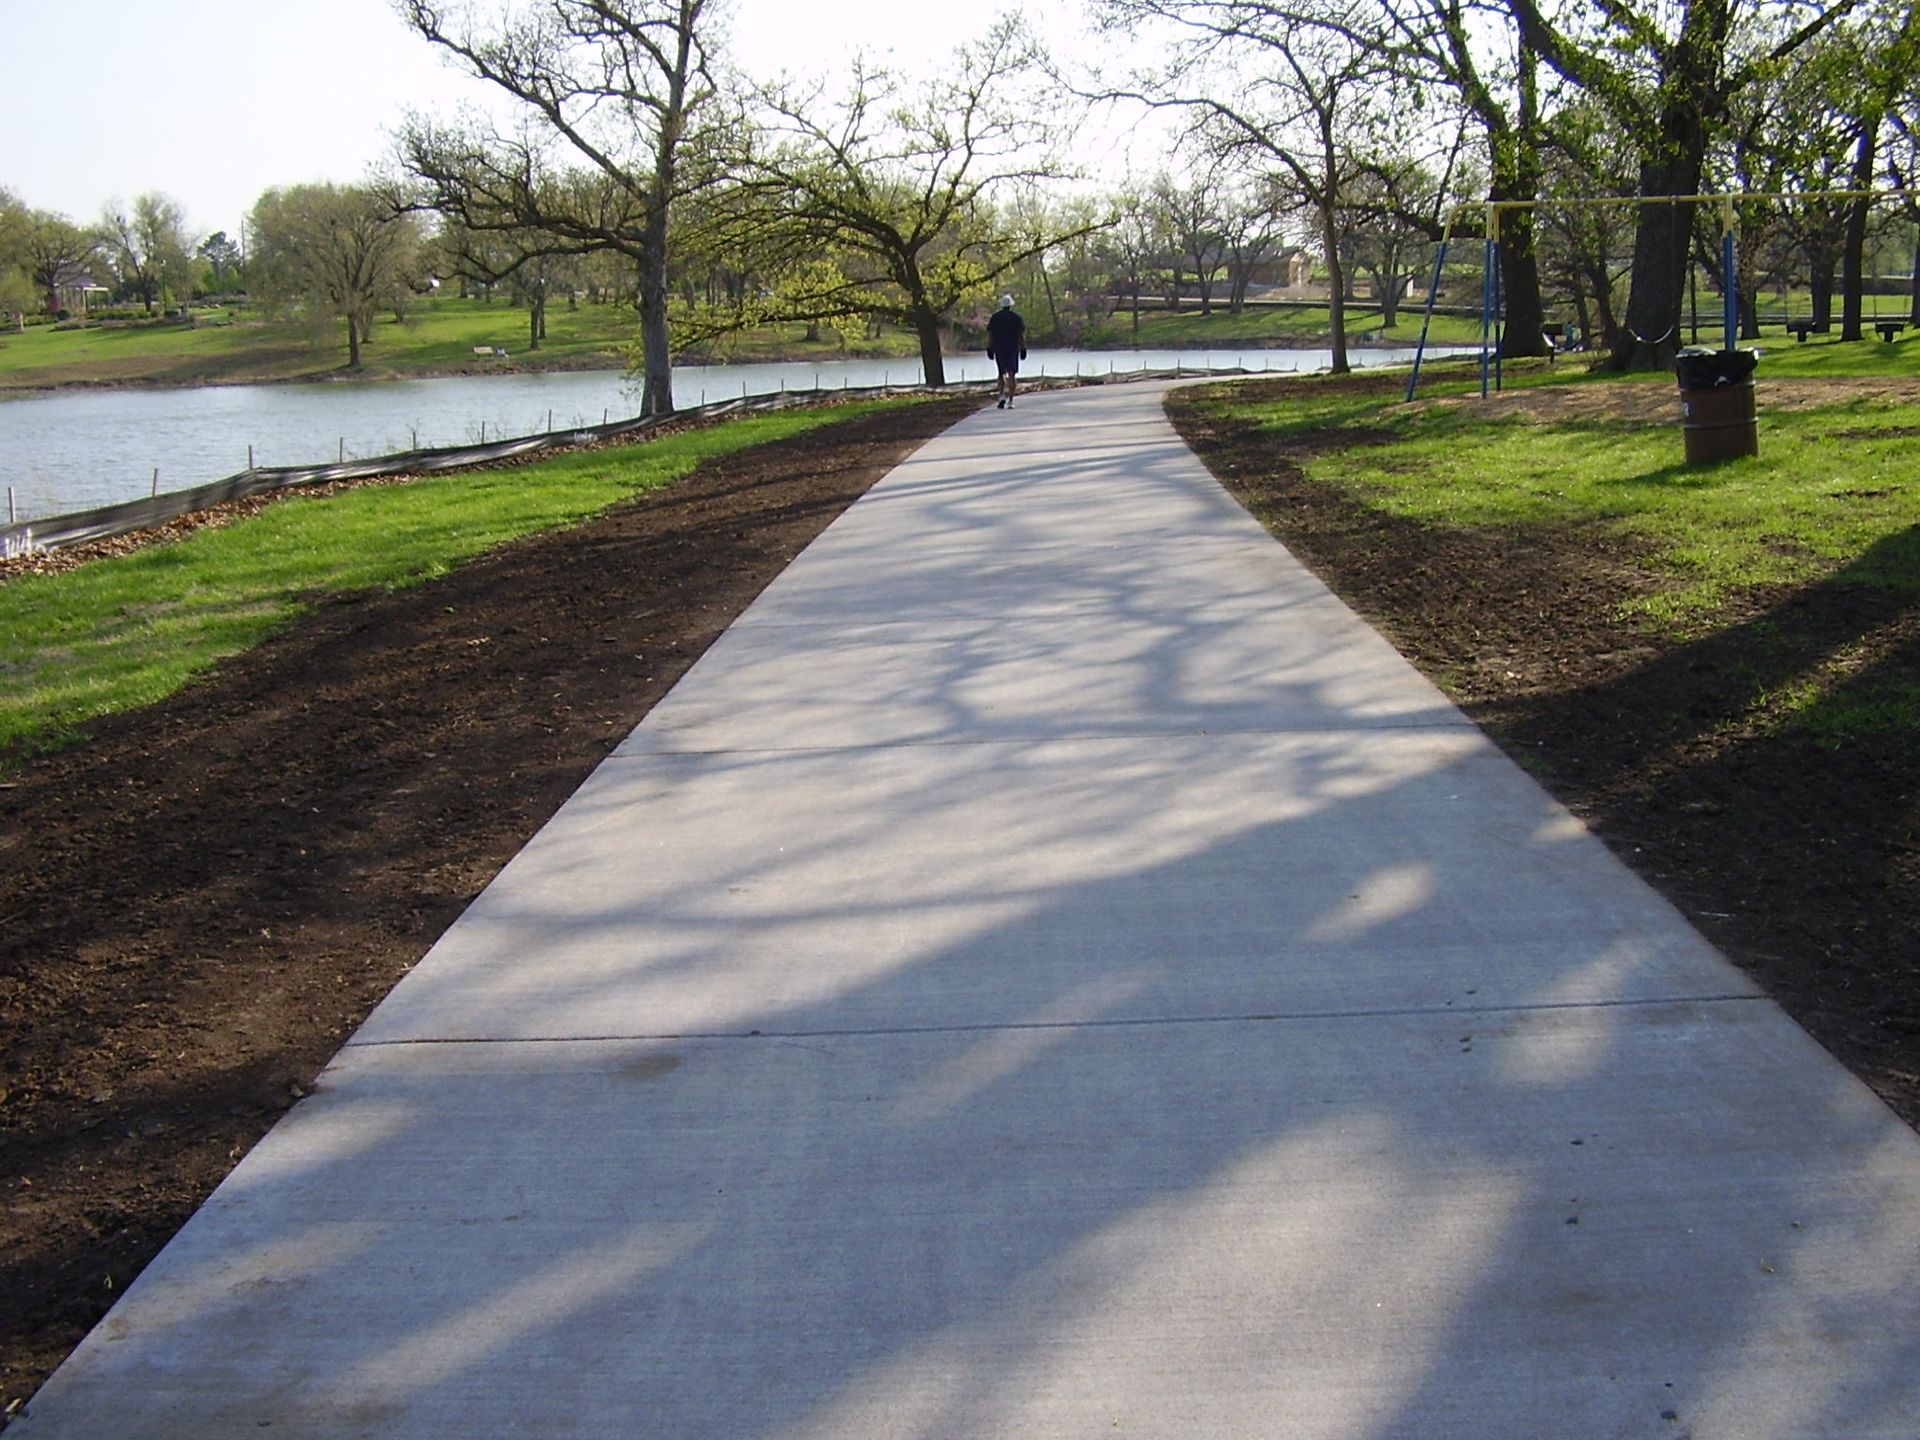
{"x": 123, "y": 632}
{"x": 1833, "y": 497}
{"x": 1276, "y": 326}
{"x": 436, "y": 336}
{"x": 228, "y": 345}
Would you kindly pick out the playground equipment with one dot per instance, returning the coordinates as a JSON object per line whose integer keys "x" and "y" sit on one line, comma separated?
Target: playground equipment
{"x": 1491, "y": 321}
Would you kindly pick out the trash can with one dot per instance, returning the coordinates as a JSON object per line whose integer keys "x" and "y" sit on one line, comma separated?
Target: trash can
{"x": 1716, "y": 404}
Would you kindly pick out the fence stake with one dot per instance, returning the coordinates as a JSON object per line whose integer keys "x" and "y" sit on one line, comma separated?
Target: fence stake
{"x": 343, "y": 449}
{"x": 483, "y": 432}
{"x": 13, "y": 515}
{"x": 156, "y": 480}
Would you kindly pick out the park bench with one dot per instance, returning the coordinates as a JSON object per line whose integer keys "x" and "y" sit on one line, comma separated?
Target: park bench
{"x": 1889, "y": 328}
{"x": 1800, "y": 329}
{"x": 489, "y": 350}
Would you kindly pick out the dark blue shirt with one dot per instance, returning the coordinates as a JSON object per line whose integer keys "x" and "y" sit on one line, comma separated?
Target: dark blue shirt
{"x": 1006, "y": 334}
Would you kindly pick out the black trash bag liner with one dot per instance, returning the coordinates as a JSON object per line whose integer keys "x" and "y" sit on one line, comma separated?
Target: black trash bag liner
{"x": 1708, "y": 369}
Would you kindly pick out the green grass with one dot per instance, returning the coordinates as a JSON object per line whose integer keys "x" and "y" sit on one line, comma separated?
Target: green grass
{"x": 1833, "y": 497}
{"x": 1275, "y": 326}
{"x": 437, "y": 336}
{"x": 228, "y": 345}
{"x": 124, "y": 632}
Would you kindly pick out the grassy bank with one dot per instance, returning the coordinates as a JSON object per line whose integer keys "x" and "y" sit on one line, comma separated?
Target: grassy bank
{"x": 126, "y": 631}
{"x": 1275, "y": 327}
{"x": 1833, "y": 498}
{"x": 437, "y": 337}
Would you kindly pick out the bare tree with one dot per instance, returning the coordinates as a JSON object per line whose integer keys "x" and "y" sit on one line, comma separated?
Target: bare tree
{"x": 900, "y": 187}
{"x": 618, "y": 86}
{"x": 1260, "y": 78}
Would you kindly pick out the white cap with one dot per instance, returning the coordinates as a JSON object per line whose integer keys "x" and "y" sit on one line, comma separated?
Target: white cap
{"x": 1006, "y": 302}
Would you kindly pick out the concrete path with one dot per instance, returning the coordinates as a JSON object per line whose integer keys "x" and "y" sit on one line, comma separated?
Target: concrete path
{"x": 1050, "y": 971}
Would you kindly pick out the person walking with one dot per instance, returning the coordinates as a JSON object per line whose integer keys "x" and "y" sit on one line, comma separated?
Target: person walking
{"x": 1007, "y": 344}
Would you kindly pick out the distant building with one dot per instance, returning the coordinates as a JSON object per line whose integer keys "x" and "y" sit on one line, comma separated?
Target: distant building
{"x": 1288, "y": 269}
{"x": 80, "y": 294}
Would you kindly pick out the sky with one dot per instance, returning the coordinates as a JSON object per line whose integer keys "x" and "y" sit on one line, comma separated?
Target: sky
{"x": 212, "y": 102}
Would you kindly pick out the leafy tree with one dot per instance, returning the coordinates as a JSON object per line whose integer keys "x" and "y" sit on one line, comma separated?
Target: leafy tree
{"x": 1193, "y": 216}
{"x": 334, "y": 251}
{"x": 58, "y": 253}
{"x": 148, "y": 248}
{"x": 1394, "y": 212}
{"x": 1884, "y": 48}
{"x": 1903, "y": 169}
{"x": 534, "y": 264}
{"x": 1253, "y": 229}
{"x": 1581, "y": 244}
{"x": 1309, "y": 92}
{"x": 1666, "y": 71}
{"x": 900, "y": 188}
{"x": 621, "y": 89}
{"x": 223, "y": 259}
{"x": 1493, "y": 75}
{"x": 1134, "y": 246}
{"x": 16, "y": 226}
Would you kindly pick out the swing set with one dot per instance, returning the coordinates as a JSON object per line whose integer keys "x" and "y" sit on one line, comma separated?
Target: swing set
{"x": 1492, "y": 300}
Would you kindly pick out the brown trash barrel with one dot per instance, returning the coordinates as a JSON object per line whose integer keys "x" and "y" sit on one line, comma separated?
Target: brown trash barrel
{"x": 1718, "y": 423}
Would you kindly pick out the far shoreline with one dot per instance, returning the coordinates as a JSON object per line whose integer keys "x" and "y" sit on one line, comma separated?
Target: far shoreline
{"x": 578, "y": 364}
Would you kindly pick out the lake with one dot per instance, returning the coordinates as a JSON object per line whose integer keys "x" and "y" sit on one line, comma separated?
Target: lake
{"x": 81, "y": 448}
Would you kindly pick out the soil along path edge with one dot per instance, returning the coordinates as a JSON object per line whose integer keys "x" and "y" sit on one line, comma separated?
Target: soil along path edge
{"x": 206, "y": 897}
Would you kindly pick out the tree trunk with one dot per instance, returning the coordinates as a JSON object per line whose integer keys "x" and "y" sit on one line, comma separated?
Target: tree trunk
{"x": 1651, "y": 337}
{"x": 1913, "y": 311}
{"x": 353, "y": 341}
{"x": 926, "y": 325}
{"x": 1391, "y": 289}
{"x": 1853, "y": 253}
{"x": 1336, "y": 292}
{"x": 1820, "y": 272}
{"x": 536, "y": 322}
{"x": 1582, "y": 319}
{"x": 1526, "y": 315}
{"x": 656, "y": 342}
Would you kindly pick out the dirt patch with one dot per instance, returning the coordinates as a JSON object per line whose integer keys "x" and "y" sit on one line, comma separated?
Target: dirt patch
{"x": 204, "y": 898}
{"x": 1801, "y": 861}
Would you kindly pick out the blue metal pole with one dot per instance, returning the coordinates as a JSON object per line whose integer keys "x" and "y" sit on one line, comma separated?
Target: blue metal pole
{"x": 1433, "y": 291}
{"x": 1731, "y": 289}
{"x": 1486, "y": 312}
{"x": 1499, "y": 322}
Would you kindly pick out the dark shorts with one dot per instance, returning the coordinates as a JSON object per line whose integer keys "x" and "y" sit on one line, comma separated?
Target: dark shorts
{"x": 1009, "y": 364}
